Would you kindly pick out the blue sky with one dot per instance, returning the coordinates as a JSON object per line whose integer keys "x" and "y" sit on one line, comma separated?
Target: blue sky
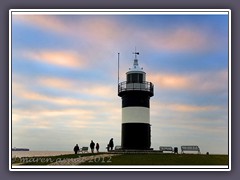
{"x": 64, "y": 78}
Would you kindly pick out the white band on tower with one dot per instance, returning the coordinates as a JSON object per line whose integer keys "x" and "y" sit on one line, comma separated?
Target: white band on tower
{"x": 135, "y": 115}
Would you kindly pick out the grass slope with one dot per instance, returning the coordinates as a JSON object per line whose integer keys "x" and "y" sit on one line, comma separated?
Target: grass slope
{"x": 162, "y": 159}
{"x": 133, "y": 159}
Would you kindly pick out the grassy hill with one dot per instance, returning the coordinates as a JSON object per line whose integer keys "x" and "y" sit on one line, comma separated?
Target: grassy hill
{"x": 136, "y": 159}
{"x": 162, "y": 159}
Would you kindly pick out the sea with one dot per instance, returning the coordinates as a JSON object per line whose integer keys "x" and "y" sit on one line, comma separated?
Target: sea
{"x": 38, "y": 153}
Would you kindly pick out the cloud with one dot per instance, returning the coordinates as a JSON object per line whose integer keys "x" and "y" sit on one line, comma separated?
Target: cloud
{"x": 95, "y": 29}
{"x": 26, "y": 94}
{"x": 181, "y": 107}
{"x": 189, "y": 120}
{"x": 60, "y": 110}
{"x": 214, "y": 81}
{"x": 23, "y": 92}
{"x": 45, "y": 22}
{"x": 67, "y": 59}
{"x": 47, "y": 118}
{"x": 170, "y": 81}
{"x": 80, "y": 87}
{"x": 190, "y": 108}
{"x": 179, "y": 39}
{"x": 61, "y": 83}
{"x": 106, "y": 30}
{"x": 101, "y": 30}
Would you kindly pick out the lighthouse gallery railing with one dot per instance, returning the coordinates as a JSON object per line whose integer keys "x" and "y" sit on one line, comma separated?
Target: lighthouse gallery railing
{"x": 144, "y": 86}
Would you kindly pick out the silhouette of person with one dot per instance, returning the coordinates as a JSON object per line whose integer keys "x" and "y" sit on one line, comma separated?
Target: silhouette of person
{"x": 76, "y": 149}
{"x": 111, "y": 144}
{"x": 92, "y": 144}
{"x": 97, "y": 147}
{"x": 107, "y": 147}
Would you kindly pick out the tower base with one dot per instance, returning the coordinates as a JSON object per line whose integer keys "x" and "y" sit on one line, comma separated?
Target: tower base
{"x": 136, "y": 136}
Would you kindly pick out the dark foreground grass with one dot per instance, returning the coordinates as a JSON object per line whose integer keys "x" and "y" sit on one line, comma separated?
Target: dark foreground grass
{"x": 132, "y": 159}
{"x": 163, "y": 159}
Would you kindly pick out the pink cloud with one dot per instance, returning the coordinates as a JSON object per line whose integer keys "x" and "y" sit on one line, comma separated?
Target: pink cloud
{"x": 193, "y": 108}
{"x": 180, "y": 39}
{"x": 179, "y": 107}
{"x": 54, "y": 82}
{"x": 95, "y": 32}
{"x": 95, "y": 29}
{"x": 99, "y": 29}
{"x": 21, "y": 90}
{"x": 45, "y": 22}
{"x": 171, "y": 81}
{"x": 81, "y": 87}
{"x": 69, "y": 59}
{"x": 81, "y": 113}
{"x": 40, "y": 118}
{"x": 197, "y": 82}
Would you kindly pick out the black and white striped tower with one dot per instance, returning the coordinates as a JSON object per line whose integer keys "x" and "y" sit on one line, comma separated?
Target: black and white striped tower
{"x": 135, "y": 94}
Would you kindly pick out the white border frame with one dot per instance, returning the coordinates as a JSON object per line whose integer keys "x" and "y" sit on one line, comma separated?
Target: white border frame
{"x": 119, "y": 12}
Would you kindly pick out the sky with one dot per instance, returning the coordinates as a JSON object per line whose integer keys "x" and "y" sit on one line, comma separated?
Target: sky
{"x": 64, "y": 78}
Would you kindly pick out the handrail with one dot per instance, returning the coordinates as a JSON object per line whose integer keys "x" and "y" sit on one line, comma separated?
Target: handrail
{"x": 128, "y": 86}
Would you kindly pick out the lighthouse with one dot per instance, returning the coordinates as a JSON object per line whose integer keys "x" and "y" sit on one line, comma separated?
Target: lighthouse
{"x": 135, "y": 93}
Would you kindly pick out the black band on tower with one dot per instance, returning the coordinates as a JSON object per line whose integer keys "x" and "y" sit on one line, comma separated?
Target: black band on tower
{"x": 136, "y": 136}
{"x": 135, "y": 99}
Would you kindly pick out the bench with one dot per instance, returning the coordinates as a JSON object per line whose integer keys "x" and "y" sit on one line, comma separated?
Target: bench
{"x": 84, "y": 150}
{"x": 190, "y": 148}
{"x": 118, "y": 147}
{"x": 165, "y": 148}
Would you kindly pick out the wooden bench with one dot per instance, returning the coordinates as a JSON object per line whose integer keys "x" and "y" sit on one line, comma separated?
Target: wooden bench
{"x": 84, "y": 150}
{"x": 190, "y": 148}
{"x": 165, "y": 148}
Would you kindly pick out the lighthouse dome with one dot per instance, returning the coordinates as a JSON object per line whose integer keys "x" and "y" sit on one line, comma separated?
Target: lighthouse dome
{"x": 135, "y": 67}
{"x": 136, "y": 74}
{"x": 135, "y": 81}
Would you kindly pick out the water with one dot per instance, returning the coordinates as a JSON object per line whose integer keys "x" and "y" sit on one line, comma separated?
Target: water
{"x": 39, "y": 153}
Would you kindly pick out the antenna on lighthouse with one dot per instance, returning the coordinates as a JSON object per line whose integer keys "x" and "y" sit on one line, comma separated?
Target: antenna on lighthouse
{"x": 136, "y": 53}
{"x": 118, "y": 66}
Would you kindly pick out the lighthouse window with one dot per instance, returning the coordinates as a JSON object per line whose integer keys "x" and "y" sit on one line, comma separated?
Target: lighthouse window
{"x": 140, "y": 78}
{"x": 135, "y": 78}
{"x": 128, "y": 78}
